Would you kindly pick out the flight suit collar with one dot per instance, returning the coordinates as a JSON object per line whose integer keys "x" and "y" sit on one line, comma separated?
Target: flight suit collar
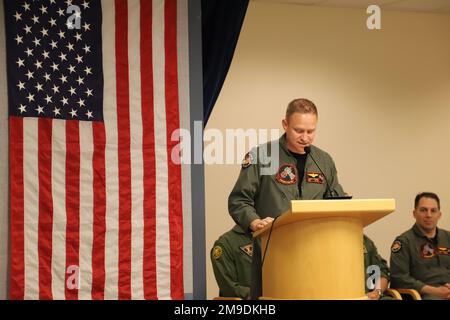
{"x": 419, "y": 233}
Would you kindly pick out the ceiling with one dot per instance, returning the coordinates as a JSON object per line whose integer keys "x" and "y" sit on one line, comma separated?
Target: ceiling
{"x": 435, "y": 6}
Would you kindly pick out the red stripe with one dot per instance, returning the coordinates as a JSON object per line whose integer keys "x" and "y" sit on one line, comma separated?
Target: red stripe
{"x": 72, "y": 209}
{"x": 17, "y": 276}
{"x": 123, "y": 126}
{"x": 148, "y": 151}
{"x": 45, "y": 208}
{"x": 99, "y": 222}
{"x": 173, "y": 123}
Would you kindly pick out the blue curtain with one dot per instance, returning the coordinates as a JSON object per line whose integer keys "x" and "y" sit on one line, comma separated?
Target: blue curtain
{"x": 221, "y": 24}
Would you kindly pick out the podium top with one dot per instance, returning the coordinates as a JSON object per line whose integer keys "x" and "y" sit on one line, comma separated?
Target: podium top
{"x": 367, "y": 210}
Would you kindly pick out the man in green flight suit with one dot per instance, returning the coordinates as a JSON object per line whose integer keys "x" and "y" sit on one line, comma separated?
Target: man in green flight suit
{"x": 231, "y": 258}
{"x": 373, "y": 258}
{"x": 420, "y": 257}
{"x": 302, "y": 171}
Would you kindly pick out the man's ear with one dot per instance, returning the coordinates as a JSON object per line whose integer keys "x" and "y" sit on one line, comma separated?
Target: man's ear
{"x": 284, "y": 123}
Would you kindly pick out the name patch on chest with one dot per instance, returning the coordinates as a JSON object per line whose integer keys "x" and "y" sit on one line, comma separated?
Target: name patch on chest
{"x": 315, "y": 177}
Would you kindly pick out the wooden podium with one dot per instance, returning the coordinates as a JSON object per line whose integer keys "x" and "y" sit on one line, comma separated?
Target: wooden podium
{"x": 316, "y": 249}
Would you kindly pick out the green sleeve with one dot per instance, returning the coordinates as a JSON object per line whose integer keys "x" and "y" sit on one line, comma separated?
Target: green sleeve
{"x": 241, "y": 202}
{"x": 400, "y": 273}
{"x": 379, "y": 261}
{"x": 226, "y": 274}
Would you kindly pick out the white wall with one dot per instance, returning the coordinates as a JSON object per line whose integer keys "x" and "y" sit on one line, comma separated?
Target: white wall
{"x": 383, "y": 99}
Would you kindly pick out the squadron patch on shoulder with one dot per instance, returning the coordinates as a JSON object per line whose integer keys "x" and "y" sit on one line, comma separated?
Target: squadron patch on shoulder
{"x": 248, "y": 160}
{"x": 396, "y": 246}
{"x": 444, "y": 251}
{"x": 314, "y": 177}
{"x": 427, "y": 251}
{"x": 287, "y": 174}
{"x": 248, "y": 250}
{"x": 216, "y": 252}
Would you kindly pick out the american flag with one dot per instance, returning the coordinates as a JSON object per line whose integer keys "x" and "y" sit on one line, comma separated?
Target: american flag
{"x": 98, "y": 209}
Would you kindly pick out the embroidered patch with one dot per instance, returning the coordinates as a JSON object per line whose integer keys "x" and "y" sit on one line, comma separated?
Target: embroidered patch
{"x": 248, "y": 160}
{"x": 443, "y": 250}
{"x": 248, "y": 250}
{"x": 287, "y": 174}
{"x": 314, "y": 177}
{"x": 217, "y": 252}
{"x": 396, "y": 246}
{"x": 427, "y": 251}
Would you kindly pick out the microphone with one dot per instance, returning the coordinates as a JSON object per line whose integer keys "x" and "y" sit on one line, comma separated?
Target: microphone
{"x": 329, "y": 190}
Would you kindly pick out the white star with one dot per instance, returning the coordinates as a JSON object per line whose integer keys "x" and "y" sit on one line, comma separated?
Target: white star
{"x": 29, "y": 74}
{"x": 85, "y": 4}
{"x": 21, "y": 85}
{"x": 70, "y": 25}
{"x": 70, "y": 46}
{"x": 18, "y": 16}
{"x": 77, "y": 14}
{"x": 52, "y": 1}
{"x": 20, "y": 62}
{"x": 22, "y": 108}
{"x": 71, "y": 69}
{"x": 38, "y": 87}
{"x": 29, "y": 52}
{"x": 18, "y": 39}
{"x": 26, "y": 6}
{"x": 81, "y": 103}
{"x": 47, "y": 77}
{"x": 56, "y": 111}
{"x": 61, "y": 12}
{"x": 86, "y": 26}
{"x": 77, "y": 36}
{"x": 89, "y": 114}
{"x": 44, "y": 32}
{"x": 52, "y": 22}
{"x": 88, "y": 70}
{"x": 79, "y": 59}
{"x": 30, "y": 97}
{"x": 63, "y": 78}
{"x": 72, "y": 91}
{"x": 87, "y": 48}
{"x": 64, "y": 101}
{"x": 36, "y": 41}
{"x": 68, "y": 2}
{"x": 61, "y": 34}
{"x": 38, "y": 64}
{"x": 39, "y": 109}
{"x": 35, "y": 19}
{"x": 43, "y": 9}
{"x": 55, "y": 89}
{"x": 46, "y": 54}
{"x": 54, "y": 66}
{"x": 63, "y": 56}
{"x": 54, "y": 44}
{"x": 88, "y": 92}
{"x": 27, "y": 29}
{"x": 48, "y": 99}
{"x": 73, "y": 113}
{"x": 80, "y": 81}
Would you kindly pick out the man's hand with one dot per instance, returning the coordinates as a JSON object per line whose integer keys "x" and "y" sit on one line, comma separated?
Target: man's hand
{"x": 258, "y": 224}
{"x": 374, "y": 295}
{"x": 442, "y": 292}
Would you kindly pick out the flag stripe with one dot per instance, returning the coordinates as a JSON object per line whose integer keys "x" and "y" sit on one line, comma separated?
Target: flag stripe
{"x": 31, "y": 206}
{"x": 173, "y": 123}
{"x": 72, "y": 208}
{"x": 45, "y": 207}
{"x": 86, "y": 210}
{"x": 59, "y": 206}
{"x": 16, "y": 182}
{"x": 111, "y": 155}
{"x": 123, "y": 124}
{"x": 148, "y": 149}
{"x": 162, "y": 219}
{"x": 99, "y": 212}
{"x": 137, "y": 243}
